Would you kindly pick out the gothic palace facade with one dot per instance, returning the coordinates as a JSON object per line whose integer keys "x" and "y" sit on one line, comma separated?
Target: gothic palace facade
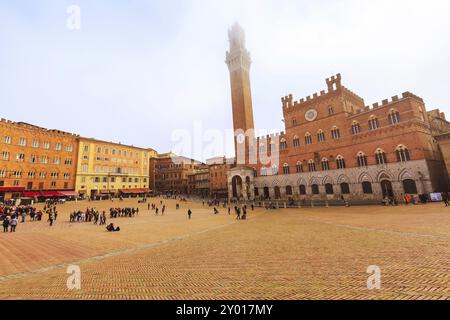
{"x": 334, "y": 145}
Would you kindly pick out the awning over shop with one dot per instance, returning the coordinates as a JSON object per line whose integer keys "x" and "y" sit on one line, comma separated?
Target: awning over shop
{"x": 31, "y": 194}
{"x": 135, "y": 191}
{"x": 50, "y": 194}
{"x": 69, "y": 193}
{"x": 12, "y": 189}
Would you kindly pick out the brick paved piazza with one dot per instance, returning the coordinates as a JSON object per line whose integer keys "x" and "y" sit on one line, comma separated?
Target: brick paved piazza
{"x": 286, "y": 254}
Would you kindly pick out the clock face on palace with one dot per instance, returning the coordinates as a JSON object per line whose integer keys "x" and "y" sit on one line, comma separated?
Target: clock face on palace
{"x": 311, "y": 115}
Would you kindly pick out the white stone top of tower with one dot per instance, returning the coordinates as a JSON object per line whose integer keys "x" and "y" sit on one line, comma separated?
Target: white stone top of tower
{"x": 238, "y": 56}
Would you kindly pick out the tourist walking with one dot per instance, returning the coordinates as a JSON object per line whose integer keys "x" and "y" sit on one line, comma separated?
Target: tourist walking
{"x": 5, "y": 224}
{"x": 13, "y": 223}
{"x": 445, "y": 198}
{"x": 51, "y": 218}
{"x": 189, "y": 214}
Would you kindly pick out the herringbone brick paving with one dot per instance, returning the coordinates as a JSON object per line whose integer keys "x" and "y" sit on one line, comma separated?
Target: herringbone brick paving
{"x": 286, "y": 254}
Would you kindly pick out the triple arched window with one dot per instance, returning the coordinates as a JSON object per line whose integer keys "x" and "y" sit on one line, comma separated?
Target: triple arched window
{"x": 402, "y": 154}
{"x": 374, "y": 124}
{"x": 356, "y": 128}
{"x": 311, "y": 166}
{"x": 340, "y": 162}
{"x": 380, "y": 156}
{"x": 299, "y": 167}
{"x": 283, "y": 144}
{"x": 286, "y": 169}
{"x": 335, "y": 133}
{"x": 325, "y": 164}
{"x": 296, "y": 142}
{"x": 320, "y": 136}
{"x": 308, "y": 138}
{"x": 361, "y": 159}
{"x": 394, "y": 117}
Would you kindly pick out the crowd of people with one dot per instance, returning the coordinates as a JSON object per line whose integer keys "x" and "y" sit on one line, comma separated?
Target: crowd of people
{"x": 10, "y": 215}
{"x": 90, "y": 215}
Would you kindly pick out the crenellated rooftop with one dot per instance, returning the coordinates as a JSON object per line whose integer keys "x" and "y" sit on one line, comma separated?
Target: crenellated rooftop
{"x": 272, "y": 136}
{"x": 334, "y": 84}
{"x": 387, "y": 102}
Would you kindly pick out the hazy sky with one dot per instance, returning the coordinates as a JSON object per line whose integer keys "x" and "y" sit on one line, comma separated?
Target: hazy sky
{"x": 138, "y": 70}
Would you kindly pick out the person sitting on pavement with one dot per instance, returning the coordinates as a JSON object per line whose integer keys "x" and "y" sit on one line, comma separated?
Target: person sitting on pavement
{"x": 111, "y": 228}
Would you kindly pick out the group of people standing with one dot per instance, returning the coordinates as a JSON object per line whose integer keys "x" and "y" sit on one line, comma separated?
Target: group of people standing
{"x": 10, "y": 216}
{"x": 123, "y": 212}
{"x": 90, "y": 215}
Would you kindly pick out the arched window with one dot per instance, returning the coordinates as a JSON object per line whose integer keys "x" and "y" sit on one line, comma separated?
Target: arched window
{"x": 286, "y": 169}
{"x": 288, "y": 190}
{"x": 296, "y": 142}
{"x": 329, "y": 189}
{"x": 380, "y": 156}
{"x": 356, "y": 128}
{"x": 394, "y": 117}
{"x": 308, "y": 138}
{"x": 320, "y": 136}
{"x": 294, "y": 122}
{"x": 315, "y": 189}
{"x": 374, "y": 124}
{"x": 311, "y": 166}
{"x": 367, "y": 187}
{"x": 361, "y": 158}
{"x": 283, "y": 144}
{"x": 325, "y": 164}
{"x": 274, "y": 170}
{"x": 410, "y": 186}
{"x": 402, "y": 154}
{"x": 263, "y": 171}
{"x": 302, "y": 189}
{"x": 335, "y": 133}
{"x": 340, "y": 162}
{"x": 299, "y": 167}
{"x": 345, "y": 188}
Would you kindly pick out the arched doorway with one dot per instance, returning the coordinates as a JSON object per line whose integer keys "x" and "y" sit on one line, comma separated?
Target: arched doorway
{"x": 277, "y": 193}
{"x": 410, "y": 186}
{"x": 345, "y": 188}
{"x": 386, "y": 188}
{"x": 237, "y": 187}
{"x": 315, "y": 189}
{"x": 289, "y": 191}
{"x": 329, "y": 189}
{"x": 367, "y": 187}
{"x": 302, "y": 189}
{"x": 266, "y": 193}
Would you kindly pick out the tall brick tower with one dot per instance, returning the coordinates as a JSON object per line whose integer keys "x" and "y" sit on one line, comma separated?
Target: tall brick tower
{"x": 238, "y": 61}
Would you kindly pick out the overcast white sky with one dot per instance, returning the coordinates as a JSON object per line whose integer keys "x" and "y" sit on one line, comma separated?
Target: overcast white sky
{"x": 138, "y": 70}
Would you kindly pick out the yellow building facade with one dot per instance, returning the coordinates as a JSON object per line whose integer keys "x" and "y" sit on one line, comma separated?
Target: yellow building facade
{"x": 107, "y": 168}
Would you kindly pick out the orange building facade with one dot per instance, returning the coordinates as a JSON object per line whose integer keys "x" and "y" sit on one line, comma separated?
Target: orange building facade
{"x": 36, "y": 161}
